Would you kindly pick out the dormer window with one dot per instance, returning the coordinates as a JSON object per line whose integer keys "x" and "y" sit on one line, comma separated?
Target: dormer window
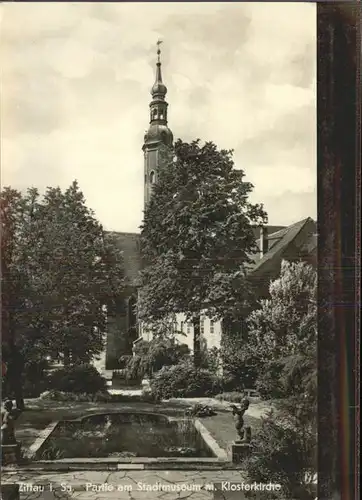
{"x": 152, "y": 177}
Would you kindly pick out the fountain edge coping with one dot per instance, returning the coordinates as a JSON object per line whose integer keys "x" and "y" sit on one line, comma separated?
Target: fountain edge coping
{"x": 221, "y": 456}
{"x": 38, "y": 443}
{"x": 211, "y": 442}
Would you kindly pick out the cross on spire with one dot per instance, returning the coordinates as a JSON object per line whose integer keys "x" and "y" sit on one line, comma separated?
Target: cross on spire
{"x": 158, "y": 50}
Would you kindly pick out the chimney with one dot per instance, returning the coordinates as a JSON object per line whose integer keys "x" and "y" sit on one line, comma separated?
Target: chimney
{"x": 264, "y": 243}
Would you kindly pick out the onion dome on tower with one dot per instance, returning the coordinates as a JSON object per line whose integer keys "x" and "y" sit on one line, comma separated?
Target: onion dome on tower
{"x": 158, "y": 130}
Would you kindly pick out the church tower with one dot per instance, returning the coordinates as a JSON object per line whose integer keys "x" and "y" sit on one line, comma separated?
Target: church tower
{"x": 158, "y": 134}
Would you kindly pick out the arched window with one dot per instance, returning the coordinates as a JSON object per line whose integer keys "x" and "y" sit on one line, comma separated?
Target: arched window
{"x": 152, "y": 177}
{"x": 154, "y": 114}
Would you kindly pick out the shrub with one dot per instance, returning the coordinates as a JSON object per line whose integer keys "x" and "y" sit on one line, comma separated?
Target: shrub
{"x": 240, "y": 365}
{"x": 98, "y": 397}
{"x": 150, "y": 357}
{"x": 149, "y": 397}
{"x": 285, "y": 451}
{"x": 231, "y": 383}
{"x": 55, "y": 395}
{"x": 33, "y": 389}
{"x": 199, "y": 410}
{"x": 78, "y": 379}
{"x": 232, "y": 397}
{"x": 184, "y": 380}
{"x": 270, "y": 382}
{"x": 135, "y": 368}
{"x": 210, "y": 358}
{"x": 34, "y": 380}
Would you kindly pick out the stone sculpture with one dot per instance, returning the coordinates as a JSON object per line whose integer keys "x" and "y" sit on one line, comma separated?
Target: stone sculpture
{"x": 7, "y": 424}
{"x": 241, "y": 449}
{"x": 244, "y": 433}
{"x": 10, "y": 448}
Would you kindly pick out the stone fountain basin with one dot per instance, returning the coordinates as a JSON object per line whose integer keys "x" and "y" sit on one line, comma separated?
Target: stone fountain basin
{"x": 188, "y": 442}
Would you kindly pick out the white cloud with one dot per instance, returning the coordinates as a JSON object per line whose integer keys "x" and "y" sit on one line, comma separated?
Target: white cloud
{"x": 75, "y": 94}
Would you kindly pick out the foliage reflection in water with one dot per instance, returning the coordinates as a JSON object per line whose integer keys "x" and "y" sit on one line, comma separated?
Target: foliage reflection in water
{"x": 124, "y": 435}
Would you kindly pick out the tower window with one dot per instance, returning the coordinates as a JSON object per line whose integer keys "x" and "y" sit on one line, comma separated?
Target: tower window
{"x": 152, "y": 177}
{"x": 161, "y": 116}
{"x": 154, "y": 114}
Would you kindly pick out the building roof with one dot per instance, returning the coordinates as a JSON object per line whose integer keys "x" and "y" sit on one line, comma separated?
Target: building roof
{"x": 255, "y": 257}
{"x": 270, "y": 230}
{"x": 301, "y": 236}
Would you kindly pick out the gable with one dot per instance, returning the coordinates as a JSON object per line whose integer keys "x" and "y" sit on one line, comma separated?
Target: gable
{"x": 295, "y": 242}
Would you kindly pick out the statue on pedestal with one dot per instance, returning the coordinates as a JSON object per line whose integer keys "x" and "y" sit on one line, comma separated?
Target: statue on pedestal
{"x": 7, "y": 425}
{"x": 10, "y": 448}
{"x": 244, "y": 433}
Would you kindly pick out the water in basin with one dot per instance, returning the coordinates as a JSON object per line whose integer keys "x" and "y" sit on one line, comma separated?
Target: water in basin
{"x": 124, "y": 435}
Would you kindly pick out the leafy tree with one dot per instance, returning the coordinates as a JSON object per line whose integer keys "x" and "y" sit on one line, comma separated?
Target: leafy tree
{"x": 59, "y": 268}
{"x": 283, "y": 335}
{"x": 15, "y": 214}
{"x": 80, "y": 271}
{"x": 240, "y": 363}
{"x": 197, "y": 238}
{"x": 283, "y": 332}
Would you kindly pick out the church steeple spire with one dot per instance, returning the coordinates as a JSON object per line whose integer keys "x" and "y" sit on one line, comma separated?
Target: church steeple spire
{"x": 159, "y": 89}
{"x": 158, "y": 134}
{"x": 158, "y": 106}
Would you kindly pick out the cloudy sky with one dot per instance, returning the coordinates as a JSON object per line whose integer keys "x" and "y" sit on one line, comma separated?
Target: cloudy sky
{"x": 75, "y": 82}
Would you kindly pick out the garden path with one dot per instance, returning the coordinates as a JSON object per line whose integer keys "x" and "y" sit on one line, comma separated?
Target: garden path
{"x": 126, "y": 485}
{"x": 256, "y": 409}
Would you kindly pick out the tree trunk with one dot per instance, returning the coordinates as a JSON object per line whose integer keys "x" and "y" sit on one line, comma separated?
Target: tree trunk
{"x": 5, "y": 387}
{"x": 66, "y": 358}
{"x": 197, "y": 341}
{"x": 14, "y": 376}
{"x": 18, "y": 392}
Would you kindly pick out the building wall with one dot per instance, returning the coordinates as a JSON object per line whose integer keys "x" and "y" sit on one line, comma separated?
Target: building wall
{"x": 211, "y": 332}
{"x": 119, "y": 324}
{"x": 117, "y": 340}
